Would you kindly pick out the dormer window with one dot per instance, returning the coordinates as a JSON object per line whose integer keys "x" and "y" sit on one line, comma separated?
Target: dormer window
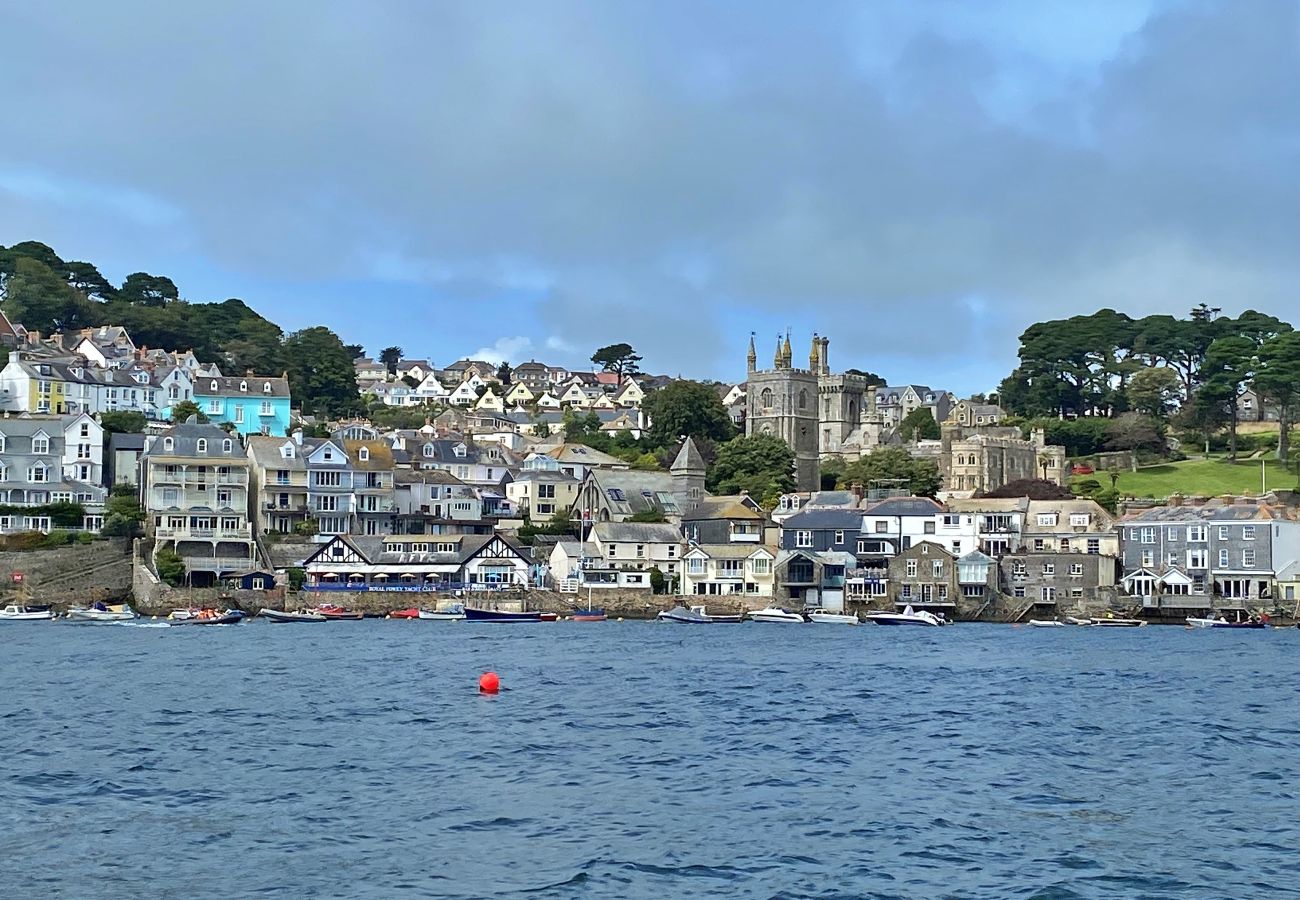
{"x": 428, "y": 450}
{"x": 40, "y": 445}
{"x": 266, "y": 388}
{"x": 4, "y": 443}
{"x": 168, "y": 444}
{"x": 201, "y": 445}
{"x": 243, "y": 386}
{"x": 287, "y": 451}
{"x": 363, "y": 454}
{"x": 227, "y": 445}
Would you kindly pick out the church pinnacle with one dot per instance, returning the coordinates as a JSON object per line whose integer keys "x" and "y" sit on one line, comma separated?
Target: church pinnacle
{"x": 752, "y": 359}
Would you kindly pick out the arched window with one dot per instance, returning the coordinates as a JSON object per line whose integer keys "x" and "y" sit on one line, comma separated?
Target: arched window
{"x": 227, "y": 446}
{"x": 201, "y": 445}
{"x": 214, "y": 387}
{"x": 765, "y": 399}
{"x": 168, "y": 444}
{"x": 853, "y": 410}
{"x": 266, "y": 388}
{"x": 803, "y": 399}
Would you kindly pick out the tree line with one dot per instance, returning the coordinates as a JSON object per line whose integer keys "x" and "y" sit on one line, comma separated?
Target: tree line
{"x": 49, "y": 294}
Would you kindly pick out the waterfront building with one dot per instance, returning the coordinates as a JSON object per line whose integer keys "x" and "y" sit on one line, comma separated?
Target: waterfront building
{"x": 372, "y": 480}
{"x": 253, "y": 404}
{"x": 279, "y": 479}
{"x": 195, "y": 491}
{"x": 418, "y": 563}
{"x": 433, "y": 501}
{"x": 541, "y": 493}
{"x": 37, "y": 468}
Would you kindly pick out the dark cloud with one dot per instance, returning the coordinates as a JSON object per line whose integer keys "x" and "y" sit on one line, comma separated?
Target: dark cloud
{"x": 655, "y": 171}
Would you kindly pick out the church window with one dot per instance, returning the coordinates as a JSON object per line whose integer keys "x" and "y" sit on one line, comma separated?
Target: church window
{"x": 803, "y": 399}
{"x": 853, "y": 410}
{"x": 826, "y": 407}
{"x": 765, "y": 399}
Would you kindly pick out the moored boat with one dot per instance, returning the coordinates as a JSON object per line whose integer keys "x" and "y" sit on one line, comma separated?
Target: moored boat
{"x": 908, "y": 616}
{"x": 98, "y": 612}
{"x": 454, "y": 613}
{"x": 335, "y": 613}
{"x": 213, "y": 617}
{"x": 275, "y": 615}
{"x": 776, "y": 614}
{"x": 1119, "y": 623}
{"x": 410, "y": 613}
{"x": 589, "y": 615}
{"x": 473, "y": 614}
{"x": 695, "y": 615}
{"x": 1045, "y": 623}
{"x": 16, "y": 612}
{"x": 822, "y": 617}
{"x": 1071, "y": 620}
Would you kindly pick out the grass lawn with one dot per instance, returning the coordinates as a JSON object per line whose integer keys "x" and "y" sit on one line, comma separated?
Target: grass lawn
{"x": 1204, "y": 477}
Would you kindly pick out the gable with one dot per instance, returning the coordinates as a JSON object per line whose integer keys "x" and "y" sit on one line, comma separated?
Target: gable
{"x": 497, "y": 548}
{"x": 337, "y": 550}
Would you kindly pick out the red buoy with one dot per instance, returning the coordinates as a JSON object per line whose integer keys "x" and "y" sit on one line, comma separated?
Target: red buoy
{"x": 489, "y": 683}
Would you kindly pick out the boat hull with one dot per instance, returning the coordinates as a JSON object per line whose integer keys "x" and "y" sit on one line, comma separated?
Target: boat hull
{"x": 590, "y": 616}
{"x": 272, "y": 615}
{"x": 404, "y": 614}
{"x": 231, "y": 618}
{"x": 777, "y": 619}
{"x": 99, "y": 615}
{"x": 1118, "y": 623}
{"x": 497, "y": 615}
{"x": 825, "y": 618}
{"x": 447, "y": 616}
{"x": 41, "y": 616}
{"x": 1045, "y": 623}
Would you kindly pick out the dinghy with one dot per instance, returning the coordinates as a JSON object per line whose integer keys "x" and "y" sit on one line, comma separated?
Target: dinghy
{"x": 98, "y": 612}
{"x": 1045, "y": 623}
{"x": 454, "y": 613}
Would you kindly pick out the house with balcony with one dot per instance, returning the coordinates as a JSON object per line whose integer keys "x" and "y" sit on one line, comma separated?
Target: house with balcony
{"x": 924, "y": 576}
{"x": 743, "y": 569}
{"x": 480, "y": 465}
{"x": 812, "y": 579}
{"x": 432, "y": 501}
{"x": 999, "y": 523}
{"x": 330, "y": 487}
{"x": 254, "y": 404}
{"x": 1224, "y": 553}
{"x": 279, "y": 479}
{"x": 372, "y": 485}
{"x": 540, "y": 493}
{"x": 638, "y": 546}
{"x": 195, "y": 490}
{"x": 1069, "y": 526}
{"x": 83, "y": 449}
{"x": 35, "y": 471}
{"x": 725, "y": 520}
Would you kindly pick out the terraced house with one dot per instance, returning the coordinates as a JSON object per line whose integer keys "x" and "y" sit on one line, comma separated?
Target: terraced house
{"x": 35, "y": 469}
{"x": 279, "y": 474}
{"x": 195, "y": 491}
{"x": 253, "y": 404}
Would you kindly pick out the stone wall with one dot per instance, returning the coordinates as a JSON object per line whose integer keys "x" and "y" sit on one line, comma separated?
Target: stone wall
{"x": 75, "y": 574}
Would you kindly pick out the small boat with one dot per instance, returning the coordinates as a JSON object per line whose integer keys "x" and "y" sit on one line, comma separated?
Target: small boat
{"x": 776, "y": 614}
{"x": 188, "y": 612}
{"x": 1119, "y": 623}
{"x": 1071, "y": 620}
{"x": 410, "y": 613}
{"x": 336, "y": 613}
{"x": 16, "y": 612}
{"x": 696, "y": 615}
{"x": 305, "y": 615}
{"x": 589, "y": 615}
{"x": 499, "y": 615}
{"x": 821, "y": 617}
{"x": 213, "y": 617}
{"x": 454, "y": 613}
{"x": 1045, "y": 623}
{"x": 908, "y": 616}
{"x": 98, "y": 612}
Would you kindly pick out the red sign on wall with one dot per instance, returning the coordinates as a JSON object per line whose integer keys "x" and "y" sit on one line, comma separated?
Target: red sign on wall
{"x": 17, "y": 577}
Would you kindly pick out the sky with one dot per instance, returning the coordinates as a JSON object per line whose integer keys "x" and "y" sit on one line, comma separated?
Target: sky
{"x": 533, "y": 180}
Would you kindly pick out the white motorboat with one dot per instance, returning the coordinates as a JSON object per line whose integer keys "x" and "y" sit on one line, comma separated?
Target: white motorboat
{"x": 1045, "y": 623}
{"x": 1119, "y": 623}
{"x": 454, "y": 613}
{"x": 908, "y": 616}
{"x": 696, "y": 615}
{"x": 101, "y": 613}
{"x": 821, "y": 617}
{"x": 18, "y": 613}
{"x": 1195, "y": 622}
{"x": 1071, "y": 620}
{"x": 775, "y": 614}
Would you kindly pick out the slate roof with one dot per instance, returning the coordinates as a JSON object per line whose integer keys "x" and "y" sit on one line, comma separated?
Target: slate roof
{"x": 381, "y": 455}
{"x": 228, "y": 386}
{"x": 813, "y": 519}
{"x": 637, "y": 533}
{"x": 266, "y": 452}
{"x": 185, "y": 437}
{"x": 689, "y": 458}
{"x": 905, "y": 506}
{"x": 627, "y": 489}
{"x": 722, "y": 508}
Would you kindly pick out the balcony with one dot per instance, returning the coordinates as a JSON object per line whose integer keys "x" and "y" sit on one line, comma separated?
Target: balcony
{"x": 293, "y": 506}
{"x": 219, "y": 564}
{"x": 185, "y": 533}
{"x": 730, "y": 575}
{"x": 800, "y": 575}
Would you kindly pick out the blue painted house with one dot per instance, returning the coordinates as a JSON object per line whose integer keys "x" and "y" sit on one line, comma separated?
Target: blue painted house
{"x": 255, "y": 404}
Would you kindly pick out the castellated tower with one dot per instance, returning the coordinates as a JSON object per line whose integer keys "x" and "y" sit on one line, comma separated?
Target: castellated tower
{"x": 783, "y": 401}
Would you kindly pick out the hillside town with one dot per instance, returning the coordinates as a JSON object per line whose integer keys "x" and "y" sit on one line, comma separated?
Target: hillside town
{"x": 494, "y": 490}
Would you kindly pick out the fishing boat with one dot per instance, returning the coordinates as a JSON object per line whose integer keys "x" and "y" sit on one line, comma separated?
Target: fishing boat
{"x": 499, "y": 615}
{"x": 213, "y": 617}
{"x": 822, "y": 617}
{"x": 16, "y": 612}
{"x": 335, "y": 613}
{"x": 275, "y": 615}
{"x": 1119, "y": 623}
{"x": 455, "y": 613}
{"x": 776, "y": 614}
{"x": 908, "y": 616}
{"x": 411, "y": 613}
{"x": 1045, "y": 623}
{"x": 98, "y": 612}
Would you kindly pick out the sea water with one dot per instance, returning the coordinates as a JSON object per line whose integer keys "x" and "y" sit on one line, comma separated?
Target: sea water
{"x": 642, "y": 760}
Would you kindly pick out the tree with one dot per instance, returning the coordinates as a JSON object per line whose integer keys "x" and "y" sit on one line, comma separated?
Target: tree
{"x": 919, "y": 425}
{"x": 171, "y": 568}
{"x": 1229, "y": 367}
{"x": 1203, "y": 417}
{"x": 1278, "y": 381}
{"x": 144, "y": 289}
{"x": 122, "y": 512}
{"x": 87, "y": 280}
{"x": 893, "y": 464}
{"x": 182, "y": 411}
{"x": 356, "y": 351}
{"x": 873, "y": 380}
{"x": 1033, "y": 488}
{"x": 686, "y": 408}
{"x": 618, "y": 358}
{"x": 38, "y": 298}
{"x": 761, "y": 464}
{"x": 122, "y": 422}
{"x": 1153, "y": 391}
{"x": 390, "y": 357}
{"x": 503, "y": 373}
{"x": 321, "y": 374}
{"x": 1135, "y": 432}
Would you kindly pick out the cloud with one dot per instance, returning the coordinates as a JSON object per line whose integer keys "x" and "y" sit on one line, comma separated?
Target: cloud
{"x": 506, "y": 349}
{"x": 669, "y": 173}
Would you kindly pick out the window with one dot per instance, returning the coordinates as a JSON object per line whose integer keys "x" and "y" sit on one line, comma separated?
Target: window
{"x": 616, "y": 494}
{"x": 1148, "y": 558}
{"x": 640, "y": 551}
{"x": 1018, "y": 591}
{"x": 201, "y": 445}
{"x": 3, "y": 440}
{"x": 1223, "y": 532}
{"x": 227, "y": 445}
{"x": 1040, "y": 544}
{"x": 1248, "y": 559}
{"x": 1047, "y": 519}
{"x": 612, "y": 550}
{"x": 839, "y": 537}
{"x": 546, "y": 491}
{"x": 760, "y": 565}
{"x": 214, "y": 406}
{"x": 765, "y": 398}
{"x": 1196, "y": 533}
{"x": 1148, "y": 535}
{"x": 1197, "y": 559}
{"x": 803, "y": 539}
{"x": 695, "y": 566}
{"x": 937, "y": 568}
{"x": 882, "y": 526}
{"x": 37, "y": 473}
{"x": 266, "y": 408}
{"x": 928, "y": 528}
{"x": 1247, "y": 532}
{"x": 1223, "y": 559}
{"x": 85, "y": 430}
{"x": 1048, "y": 594}
{"x": 951, "y": 521}
{"x": 223, "y": 497}
{"x": 1076, "y": 569}
{"x": 239, "y": 415}
{"x": 906, "y": 591}
{"x": 266, "y": 389}
{"x": 911, "y": 568}
{"x": 1049, "y": 568}
{"x": 40, "y": 445}
{"x": 1019, "y": 567}
{"x": 363, "y": 454}
{"x": 1080, "y": 520}
{"x": 1172, "y": 558}
{"x": 1094, "y": 546}
{"x": 243, "y": 386}
{"x": 1173, "y": 534}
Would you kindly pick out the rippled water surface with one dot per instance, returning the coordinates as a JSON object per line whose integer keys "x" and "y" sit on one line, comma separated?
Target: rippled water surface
{"x": 637, "y": 760}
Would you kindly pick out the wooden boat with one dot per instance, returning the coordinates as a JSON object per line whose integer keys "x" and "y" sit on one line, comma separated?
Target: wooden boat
{"x": 98, "y": 612}
{"x": 213, "y": 617}
{"x": 498, "y": 615}
{"x": 821, "y": 617}
{"x": 1119, "y": 623}
{"x": 16, "y": 612}
{"x": 454, "y": 613}
{"x": 410, "y": 613}
{"x": 908, "y": 616}
{"x": 275, "y": 615}
{"x": 336, "y": 613}
{"x": 1045, "y": 623}
{"x": 776, "y": 614}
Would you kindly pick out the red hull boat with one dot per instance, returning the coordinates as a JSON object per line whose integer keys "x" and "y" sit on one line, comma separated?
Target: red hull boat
{"x": 412, "y": 613}
{"x": 333, "y": 613}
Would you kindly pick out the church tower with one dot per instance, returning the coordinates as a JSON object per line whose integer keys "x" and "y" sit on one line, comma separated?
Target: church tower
{"x": 688, "y": 473}
{"x": 783, "y": 401}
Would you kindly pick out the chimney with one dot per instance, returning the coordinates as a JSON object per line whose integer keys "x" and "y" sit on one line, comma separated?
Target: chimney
{"x": 856, "y": 488}
{"x": 297, "y": 437}
{"x": 1175, "y": 500}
